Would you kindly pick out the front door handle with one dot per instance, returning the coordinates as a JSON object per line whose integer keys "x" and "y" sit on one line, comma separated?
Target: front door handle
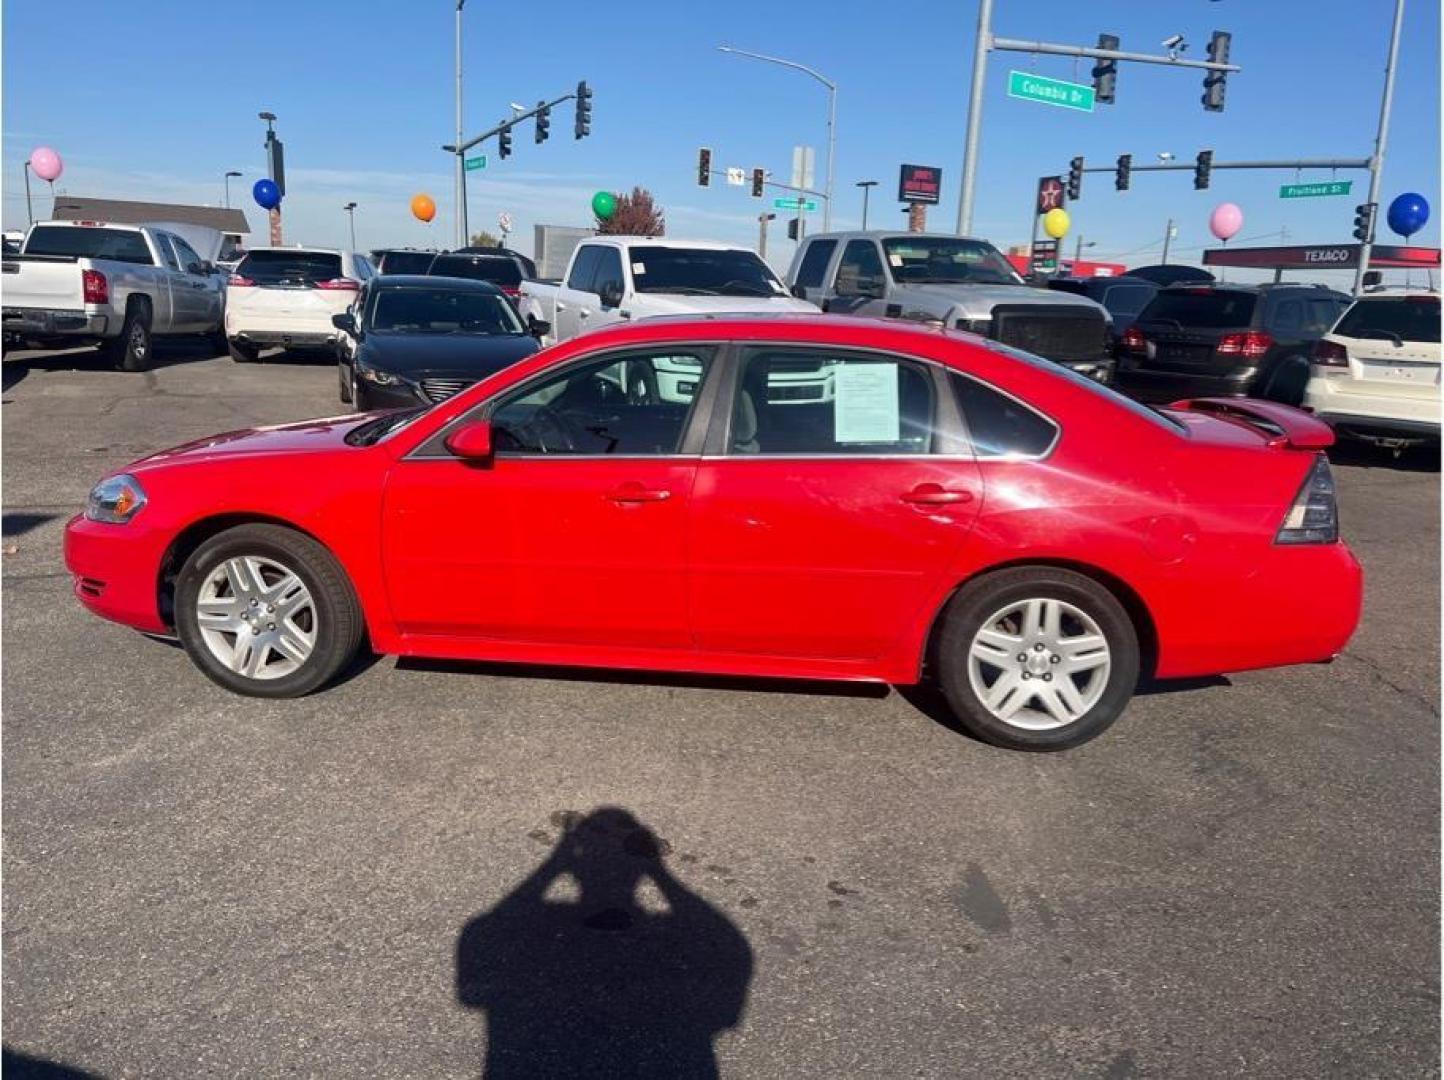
{"x": 584, "y": 314}
{"x": 935, "y": 495}
{"x": 633, "y": 492}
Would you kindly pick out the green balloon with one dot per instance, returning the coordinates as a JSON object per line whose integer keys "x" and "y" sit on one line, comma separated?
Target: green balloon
{"x": 604, "y": 204}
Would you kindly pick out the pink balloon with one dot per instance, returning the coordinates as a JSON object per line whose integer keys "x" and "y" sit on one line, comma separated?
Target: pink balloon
{"x": 46, "y": 163}
{"x": 1225, "y": 221}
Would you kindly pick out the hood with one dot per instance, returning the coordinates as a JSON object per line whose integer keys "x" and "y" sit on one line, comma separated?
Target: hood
{"x": 677, "y": 304}
{"x": 978, "y": 300}
{"x": 325, "y": 433}
{"x": 468, "y": 355}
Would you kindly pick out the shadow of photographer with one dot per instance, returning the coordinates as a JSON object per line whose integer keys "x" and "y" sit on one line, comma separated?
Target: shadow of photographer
{"x": 601, "y": 963}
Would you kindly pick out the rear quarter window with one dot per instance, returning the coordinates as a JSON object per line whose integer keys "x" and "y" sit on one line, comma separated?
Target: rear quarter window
{"x": 998, "y": 425}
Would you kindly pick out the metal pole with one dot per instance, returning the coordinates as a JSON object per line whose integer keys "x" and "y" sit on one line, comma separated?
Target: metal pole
{"x": 462, "y": 227}
{"x": 865, "y": 191}
{"x": 975, "y": 120}
{"x": 1167, "y": 236}
{"x": 350, "y": 209}
{"x": 831, "y": 152}
{"x": 228, "y": 191}
{"x": 1078, "y": 254}
{"x": 28, "y": 212}
{"x": 1033, "y": 237}
{"x": 762, "y": 235}
{"x": 1376, "y": 162}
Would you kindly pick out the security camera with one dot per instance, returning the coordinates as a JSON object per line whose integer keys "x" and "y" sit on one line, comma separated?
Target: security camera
{"x": 1172, "y": 42}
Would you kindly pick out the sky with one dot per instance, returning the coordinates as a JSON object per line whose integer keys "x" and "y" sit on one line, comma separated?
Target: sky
{"x": 364, "y": 95}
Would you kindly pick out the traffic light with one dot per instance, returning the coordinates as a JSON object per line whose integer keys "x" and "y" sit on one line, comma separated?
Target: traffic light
{"x": 1202, "y": 169}
{"x": 503, "y": 143}
{"x": 1105, "y": 72}
{"x": 704, "y": 167}
{"x": 1364, "y": 222}
{"x": 1125, "y": 172}
{"x": 1213, "y": 81}
{"x": 543, "y": 121}
{"x": 759, "y": 177}
{"x": 1075, "y": 178}
{"x": 584, "y": 110}
{"x": 792, "y": 225}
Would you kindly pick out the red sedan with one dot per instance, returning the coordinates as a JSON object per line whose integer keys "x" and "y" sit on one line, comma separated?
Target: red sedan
{"x": 805, "y": 497}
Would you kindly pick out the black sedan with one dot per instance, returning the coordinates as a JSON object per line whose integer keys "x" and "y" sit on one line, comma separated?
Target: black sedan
{"x": 414, "y": 340}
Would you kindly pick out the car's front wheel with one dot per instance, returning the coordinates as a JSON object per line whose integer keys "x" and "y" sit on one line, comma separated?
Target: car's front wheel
{"x": 267, "y": 611}
{"x": 1037, "y": 658}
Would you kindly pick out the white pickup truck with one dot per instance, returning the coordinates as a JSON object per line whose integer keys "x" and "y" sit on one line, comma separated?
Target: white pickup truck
{"x": 612, "y": 278}
{"x": 116, "y": 286}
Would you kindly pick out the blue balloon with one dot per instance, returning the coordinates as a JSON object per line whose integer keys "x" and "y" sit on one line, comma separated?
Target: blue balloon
{"x": 267, "y": 194}
{"x": 1408, "y": 213}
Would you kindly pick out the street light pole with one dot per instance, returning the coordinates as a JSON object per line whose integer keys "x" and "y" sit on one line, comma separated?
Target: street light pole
{"x": 1167, "y": 236}
{"x": 762, "y": 220}
{"x": 350, "y": 209}
{"x": 271, "y": 163}
{"x": 975, "y": 117}
{"x": 462, "y": 226}
{"x": 28, "y": 212}
{"x": 866, "y": 185}
{"x": 1376, "y": 162}
{"x": 229, "y": 174}
{"x": 831, "y": 116}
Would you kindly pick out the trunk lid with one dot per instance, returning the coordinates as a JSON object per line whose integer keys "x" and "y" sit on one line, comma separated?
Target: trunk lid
{"x": 42, "y": 281}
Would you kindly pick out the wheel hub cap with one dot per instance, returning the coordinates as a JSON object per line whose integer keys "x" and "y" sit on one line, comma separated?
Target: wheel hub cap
{"x": 257, "y": 617}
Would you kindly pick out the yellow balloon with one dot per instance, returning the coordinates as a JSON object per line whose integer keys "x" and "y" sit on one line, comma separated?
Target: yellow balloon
{"x": 1055, "y": 223}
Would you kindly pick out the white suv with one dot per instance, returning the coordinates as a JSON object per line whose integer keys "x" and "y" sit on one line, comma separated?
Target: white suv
{"x": 287, "y": 296}
{"x": 1375, "y": 375}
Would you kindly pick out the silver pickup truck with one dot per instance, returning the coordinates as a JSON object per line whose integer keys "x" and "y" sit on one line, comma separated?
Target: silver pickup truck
{"x": 957, "y": 282}
{"x": 116, "y": 286}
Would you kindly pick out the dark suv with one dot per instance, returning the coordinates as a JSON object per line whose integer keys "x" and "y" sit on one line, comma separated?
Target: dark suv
{"x": 1222, "y": 340}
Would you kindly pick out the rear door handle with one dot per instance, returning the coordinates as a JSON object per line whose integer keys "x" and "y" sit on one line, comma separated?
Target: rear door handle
{"x": 635, "y": 493}
{"x": 935, "y": 495}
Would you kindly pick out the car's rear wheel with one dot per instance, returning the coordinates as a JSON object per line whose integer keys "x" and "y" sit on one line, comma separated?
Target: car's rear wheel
{"x": 130, "y": 350}
{"x": 1286, "y": 381}
{"x": 1037, "y": 658}
{"x": 242, "y": 353}
{"x": 267, "y": 611}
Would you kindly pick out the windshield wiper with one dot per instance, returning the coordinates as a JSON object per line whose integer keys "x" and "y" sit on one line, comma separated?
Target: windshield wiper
{"x": 1387, "y": 334}
{"x": 682, "y": 290}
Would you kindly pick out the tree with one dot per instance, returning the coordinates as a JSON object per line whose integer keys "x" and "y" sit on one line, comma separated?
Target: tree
{"x": 484, "y": 239}
{"x": 637, "y": 214}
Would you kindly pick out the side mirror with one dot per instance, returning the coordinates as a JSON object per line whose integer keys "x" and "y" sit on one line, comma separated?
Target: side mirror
{"x": 538, "y": 328}
{"x": 800, "y": 291}
{"x": 344, "y": 321}
{"x": 1373, "y": 279}
{"x": 471, "y": 442}
{"x": 611, "y": 294}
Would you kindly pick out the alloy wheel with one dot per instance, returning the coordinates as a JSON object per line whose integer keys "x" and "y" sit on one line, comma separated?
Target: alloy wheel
{"x": 257, "y": 617}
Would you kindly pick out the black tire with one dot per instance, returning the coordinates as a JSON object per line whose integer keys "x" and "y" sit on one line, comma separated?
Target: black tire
{"x": 975, "y": 604}
{"x": 344, "y": 377}
{"x": 1285, "y": 382}
{"x": 131, "y": 350}
{"x": 240, "y": 352}
{"x": 360, "y": 400}
{"x": 339, "y": 626}
{"x": 217, "y": 343}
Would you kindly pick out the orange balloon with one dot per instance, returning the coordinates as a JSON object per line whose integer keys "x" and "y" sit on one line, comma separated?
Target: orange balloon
{"x": 423, "y": 206}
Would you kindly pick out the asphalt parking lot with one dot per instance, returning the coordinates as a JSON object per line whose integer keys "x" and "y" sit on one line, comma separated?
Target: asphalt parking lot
{"x": 1240, "y": 878}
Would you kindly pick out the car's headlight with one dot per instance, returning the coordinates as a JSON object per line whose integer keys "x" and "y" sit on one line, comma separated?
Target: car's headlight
{"x": 380, "y": 378}
{"x": 115, "y": 500}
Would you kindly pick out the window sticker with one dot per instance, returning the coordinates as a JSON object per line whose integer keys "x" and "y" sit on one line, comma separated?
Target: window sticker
{"x": 866, "y": 406}
{"x": 639, "y": 268}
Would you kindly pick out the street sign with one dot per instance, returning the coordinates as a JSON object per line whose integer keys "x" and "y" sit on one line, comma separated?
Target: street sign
{"x": 1066, "y": 95}
{"x": 474, "y": 163}
{"x": 919, "y": 184}
{"x": 794, "y": 204}
{"x": 802, "y": 170}
{"x": 736, "y": 177}
{"x": 1312, "y": 191}
{"x": 1050, "y": 193}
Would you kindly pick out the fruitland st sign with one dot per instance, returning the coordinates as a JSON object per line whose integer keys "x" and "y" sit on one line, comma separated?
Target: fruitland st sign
{"x": 1314, "y": 191}
{"x": 1066, "y": 95}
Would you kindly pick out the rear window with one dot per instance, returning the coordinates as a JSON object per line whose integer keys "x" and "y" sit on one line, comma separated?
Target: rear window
{"x": 499, "y": 271}
{"x": 406, "y": 262}
{"x": 1210, "y": 309}
{"x": 90, "y": 243}
{"x": 1409, "y": 318}
{"x": 290, "y": 267}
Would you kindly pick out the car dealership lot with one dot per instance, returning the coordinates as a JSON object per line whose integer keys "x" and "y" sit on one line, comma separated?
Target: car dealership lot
{"x": 1238, "y": 878}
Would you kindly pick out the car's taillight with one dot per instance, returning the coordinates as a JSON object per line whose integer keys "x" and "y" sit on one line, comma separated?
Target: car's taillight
{"x": 1330, "y": 354}
{"x": 508, "y": 290}
{"x": 1250, "y": 345}
{"x": 95, "y": 287}
{"x": 1314, "y": 516}
{"x": 239, "y": 282}
{"x": 1134, "y": 341}
{"x": 342, "y": 283}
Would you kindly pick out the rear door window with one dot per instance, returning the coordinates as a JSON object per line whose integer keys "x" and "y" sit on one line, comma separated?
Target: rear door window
{"x": 814, "y": 263}
{"x": 1289, "y": 316}
{"x": 293, "y": 269}
{"x": 1409, "y": 318}
{"x": 1208, "y": 309}
{"x": 1322, "y": 312}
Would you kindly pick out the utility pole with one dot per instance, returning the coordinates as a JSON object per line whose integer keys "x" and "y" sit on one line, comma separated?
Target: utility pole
{"x": 762, "y": 220}
{"x": 866, "y": 185}
{"x": 461, "y": 223}
{"x": 1376, "y": 162}
{"x": 1167, "y": 236}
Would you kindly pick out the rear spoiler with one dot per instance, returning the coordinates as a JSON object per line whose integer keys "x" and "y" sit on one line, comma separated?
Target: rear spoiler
{"x": 1283, "y": 424}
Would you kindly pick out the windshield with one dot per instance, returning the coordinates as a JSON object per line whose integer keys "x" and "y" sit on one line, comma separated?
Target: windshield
{"x": 439, "y": 310}
{"x": 497, "y": 270}
{"x": 90, "y": 243}
{"x": 406, "y": 262}
{"x": 947, "y": 260}
{"x": 301, "y": 268}
{"x": 1206, "y": 309}
{"x": 699, "y": 272}
{"x": 1405, "y": 318}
